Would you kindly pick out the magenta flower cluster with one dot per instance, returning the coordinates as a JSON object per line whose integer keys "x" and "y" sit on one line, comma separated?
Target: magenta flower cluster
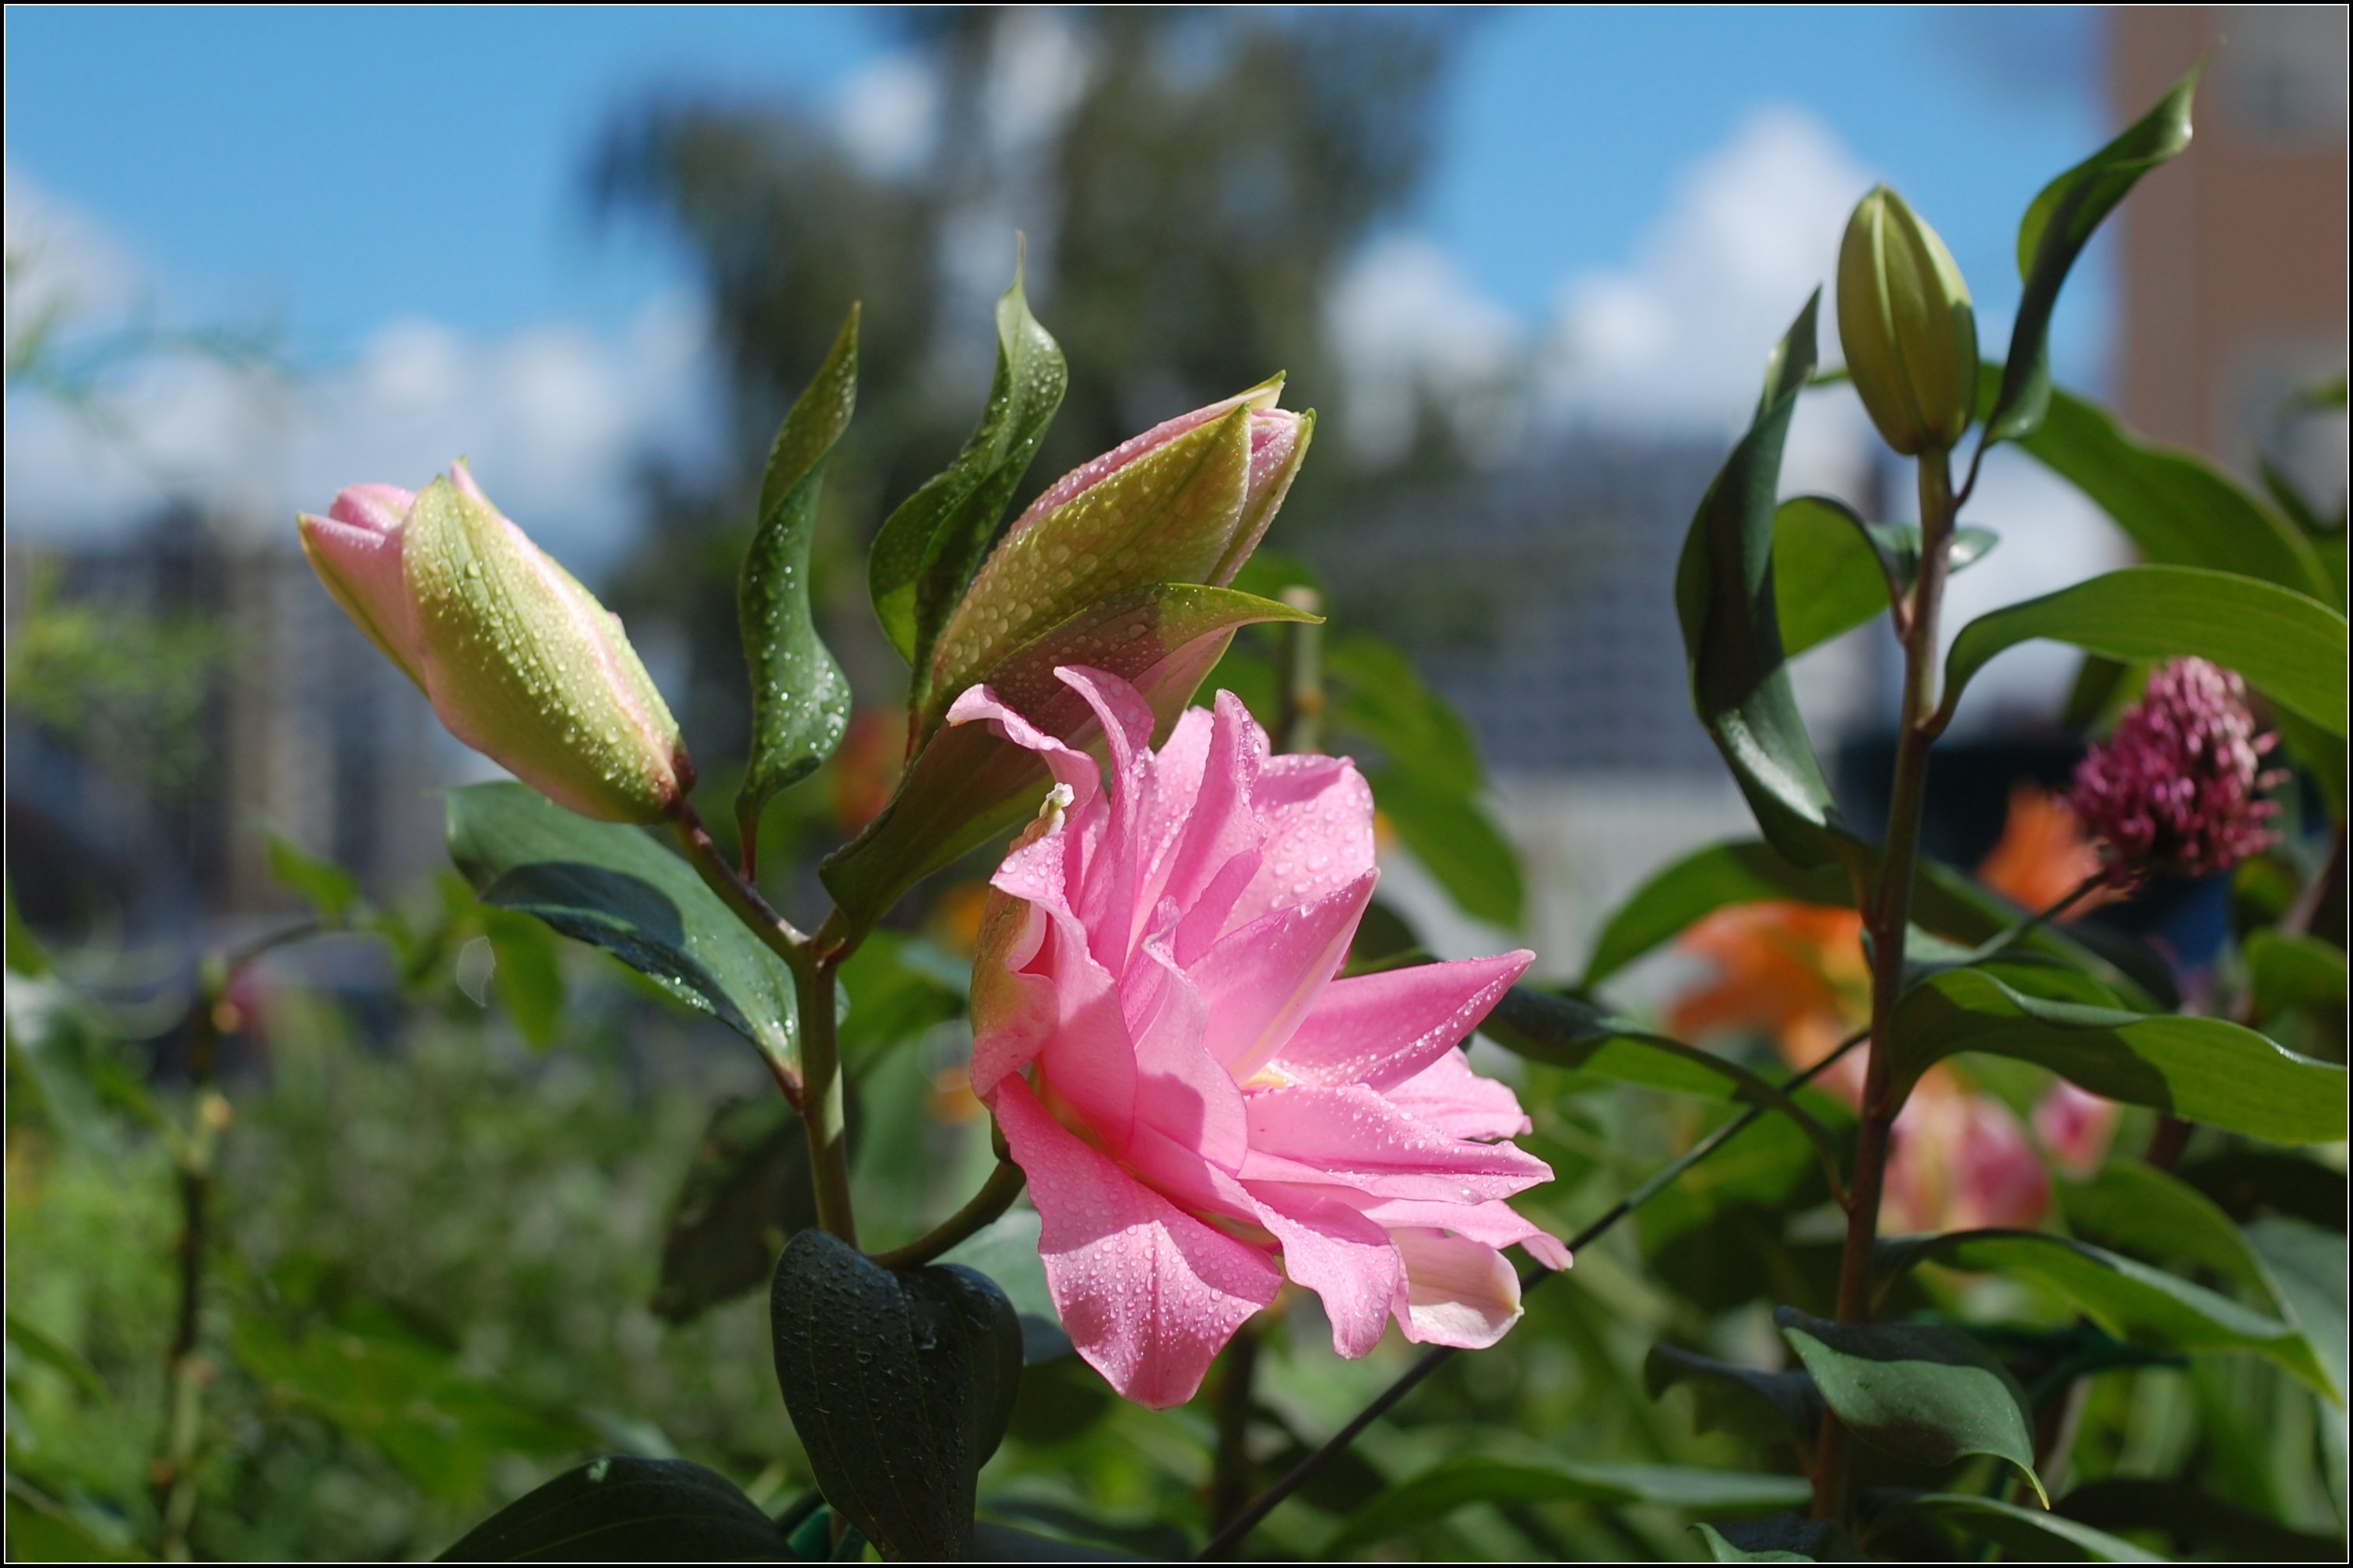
{"x": 2178, "y": 785}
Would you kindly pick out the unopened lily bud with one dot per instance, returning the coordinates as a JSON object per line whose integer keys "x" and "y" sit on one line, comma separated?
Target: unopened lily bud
{"x": 1906, "y": 324}
{"x": 520, "y": 661}
{"x": 1186, "y": 501}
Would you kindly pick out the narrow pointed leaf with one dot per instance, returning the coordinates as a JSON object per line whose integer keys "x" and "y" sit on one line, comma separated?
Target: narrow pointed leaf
{"x": 2175, "y": 504}
{"x": 2030, "y": 1535}
{"x": 1833, "y": 571}
{"x": 800, "y": 700}
{"x": 965, "y": 786}
{"x": 1732, "y": 637}
{"x": 625, "y": 1510}
{"x": 1923, "y": 1392}
{"x": 2139, "y": 1209}
{"x": 617, "y": 887}
{"x": 2139, "y": 1304}
{"x": 1764, "y": 1405}
{"x": 900, "y": 1385}
{"x": 2059, "y": 223}
{"x": 1457, "y": 1482}
{"x": 2290, "y": 645}
{"x": 929, "y": 547}
{"x": 2203, "y": 1070}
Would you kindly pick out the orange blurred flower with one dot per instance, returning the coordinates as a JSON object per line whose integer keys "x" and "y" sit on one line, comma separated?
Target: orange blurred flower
{"x": 1793, "y": 971}
{"x": 2044, "y": 854}
{"x": 866, "y": 770}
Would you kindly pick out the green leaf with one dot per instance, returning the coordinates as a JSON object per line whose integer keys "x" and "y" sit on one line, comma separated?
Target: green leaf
{"x": 1732, "y": 638}
{"x": 929, "y": 547}
{"x": 2306, "y": 1266}
{"x": 2028, "y": 1534}
{"x": 1833, "y": 571}
{"x": 2179, "y": 507}
{"x": 1457, "y": 1482}
{"x": 994, "y": 1542}
{"x": 1766, "y": 1406}
{"x": 325, "y": 886}
{"x": 1779, "y": 1538}
{"x": 800, "y": 699}
{"x": 2287, "y": 973}
{"x": 1571, "y": 1032}
{"x": 1923, "y": 1392}
{"x": 2204, "y": 1069}
{"x": 2290, "y": 645}
{"x": 36, "y": 1344}
{"x": 2199, "y": 1524}
{"x": 2154, "y": 1213}
{"x": 899, "y": 1384}
{"x": 966, "y": 785}
{"x": 24, "y": 950}
{"x": 617, "y": 887}
{"x": 747, "y": 1190}
{"x": 2058, "y": 224}
{"x": 625, "y": 1510}
{"x": 2139, "y": 1304}
{"x": 899, "y": 987}
{"x": 1457, "y": 842}
{"x": 1426, "y": 775}
{"x": 1745, "y": 873}
{"x": 528, "y": 976}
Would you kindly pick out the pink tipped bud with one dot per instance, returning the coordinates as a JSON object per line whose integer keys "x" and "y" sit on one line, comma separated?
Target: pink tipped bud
{"x": 1186, "y": 501}
{"x": 520, "y": 661}
{"x": 2178, "y": 785}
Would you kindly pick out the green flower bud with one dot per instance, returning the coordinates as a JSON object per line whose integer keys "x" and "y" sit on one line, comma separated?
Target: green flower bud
{"x": 1905, "y": 322}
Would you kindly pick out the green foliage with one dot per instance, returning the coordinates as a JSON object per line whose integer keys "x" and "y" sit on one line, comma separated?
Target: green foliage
{"x": 612, "y": 886}
{"x": 1732, "y": 640}
{"x": 899, "y": 1384}
{"x": 2291, "y": 646}
{"x": 748, "y": 1189}
{"x": 624, "y": 1510}
{"x": 1834, "y": 572}
{"x": 2059, "y": 223}
{"x": 800, "y": 699}
{"x": 2028, "y": 1534}
{"x": 1453, "y": 1483}
{"x": 1924, "y": 1393}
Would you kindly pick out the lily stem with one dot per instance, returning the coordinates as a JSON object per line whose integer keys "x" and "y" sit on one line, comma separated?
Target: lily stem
{"x": 996, "y": 1195}
{"x": 1888, "y": 916}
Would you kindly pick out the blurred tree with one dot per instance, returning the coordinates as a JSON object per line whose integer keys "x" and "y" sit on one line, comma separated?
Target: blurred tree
{"x": 1192, "y": 183}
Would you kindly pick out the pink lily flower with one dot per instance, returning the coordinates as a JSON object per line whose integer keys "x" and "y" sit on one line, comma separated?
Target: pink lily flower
{"x": 1201, "y": 1107}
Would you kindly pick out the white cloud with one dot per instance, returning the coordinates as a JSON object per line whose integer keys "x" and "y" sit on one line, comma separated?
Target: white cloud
{"x": 1680, "y": 335}
{"x": 888, "y": 114}
{"x": 1413, "y": 331}
{"x": 552, "y": 418}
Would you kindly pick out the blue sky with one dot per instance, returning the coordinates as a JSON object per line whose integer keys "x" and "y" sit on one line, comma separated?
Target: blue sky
{"x": 339, "y": 169}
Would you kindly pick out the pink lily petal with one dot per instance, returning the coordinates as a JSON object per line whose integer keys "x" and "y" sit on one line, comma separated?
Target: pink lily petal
{"x": 1457, "y": 1292}
{"x": 1353, "y": 1137}
{"x": 1449, "y": 1096}
{"x": 1319, "y": 817}
{"x": 1260, "y": 980}
{"x": 1381, "y": 1029}
{"x": 1147, "y": 1293}
{"x": 1495, "y": 1223}
{"x": 1334, "y": 1250}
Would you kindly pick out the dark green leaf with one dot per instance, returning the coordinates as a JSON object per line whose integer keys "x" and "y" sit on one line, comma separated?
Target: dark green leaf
{"x": 748, "y": 1189}
{"x": 993, "y": 1543}
{"x": 800, "y": 699}
{"x": 1779, "y": 1538}
{"x": 1833, "y": 571}
{"x": 325, "y": 886}
{"x": 1453, "y": 1483}
{"x": 1923, "y": 1392}
{"x": 624, "y": 1510}
{"x": 528, "y": 976}
{"x": 929, "y": 547}
{"x": 2153, "y": 1213}
{"x": 1571, "y": 1032}
{"x": 2287, "y": 973}
{"x": 899, "y": 1384}
{"x": 2306, "y": 1266}
{"x": 2290, "y": 645}
{"x": 2059, "y": 223}
{"x": 2198, "y": 1522}
{"x": 1766, "y": 1406}
{"x": 1745, "y": 872}
{"x": 2028, "y": 1534}
{"x": 2205, "y": 1069}
{"x": 2249, "y": 1183}
{"x": 2179, "y": 507}
{"x": 966, "y": 785}
{"x": 617, "y": 887}
{"x": 2139, "y": 1304}
{"x": 1732, "y": 638}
